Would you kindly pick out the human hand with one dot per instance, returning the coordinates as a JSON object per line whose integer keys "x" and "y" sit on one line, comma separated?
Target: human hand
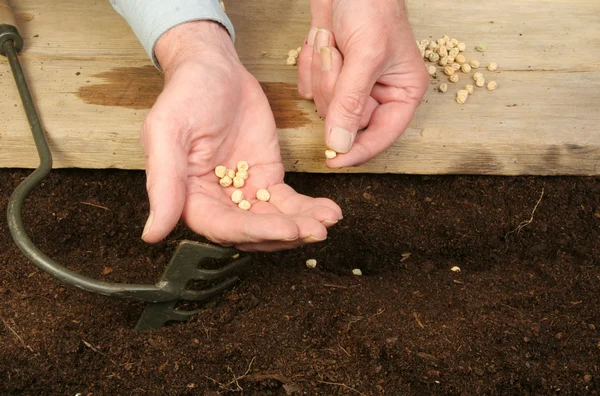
{"x": 362, "y": 67}
{"x": 213, "y": 112}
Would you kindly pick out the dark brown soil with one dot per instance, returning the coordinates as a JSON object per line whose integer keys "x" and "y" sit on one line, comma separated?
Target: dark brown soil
{"x": 522, "y": 316}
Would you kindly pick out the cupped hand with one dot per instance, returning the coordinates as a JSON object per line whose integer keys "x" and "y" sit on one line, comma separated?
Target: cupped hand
{"x": 212, "y": 112}
{"x": 362, "y": 67}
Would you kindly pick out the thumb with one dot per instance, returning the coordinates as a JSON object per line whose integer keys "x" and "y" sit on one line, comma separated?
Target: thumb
{"x": 166, "y": 174}
{"x": 349, "y": 102}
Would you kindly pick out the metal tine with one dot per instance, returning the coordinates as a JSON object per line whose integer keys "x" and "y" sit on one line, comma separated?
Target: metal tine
{"x": 204, "y": 274}
{"x": 199, "y": 295}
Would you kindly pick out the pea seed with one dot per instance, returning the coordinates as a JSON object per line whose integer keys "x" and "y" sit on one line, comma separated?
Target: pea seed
{"x": 357, "y": 272}
{"x": 453, "y": 78}
{"x": 454, "y": 42}
{"x": 481, "y": 47}
{"x": 460, "y": 59}
{"x": 466, "y": 68}
{"x": 293, "y": 53}
{"x": 455, "y": 66}
{"x": 443, "y": 87}
{"x": 263, "y": 195}
{"x": 291, "y": 61}
{"x": 448, "y": 70}
{"x": 243, "y": 174}
{"x": 474, "y": 64}
{"x": 450, "y": 59}
{"x": 311, "y": 263}
{"x": 245, "y": 205}
{"x": 433, "y": 57}
{"x": 453, "y": 52}
{"x": 237, "y": 196}
{"x": 492, "y": 85}
{"x": 430, "y": 69}
{"x": 242, "y": 166}
{"x": 493, "y": 66}
{"x": 220, "y": 171}
{"x": 480, "y": 82}
{"x": 238, "y": 182}
{"x": 225, "y": 181}
{"x": 461, "y": 47}
{"x": 477, "y": 76}
{"x": 461, "y": 96}
{"x": 330, "y": 154}
{"x": 442, "y": 51}
{"x": 231, "y": 173}
{"x": 469, "y": 89}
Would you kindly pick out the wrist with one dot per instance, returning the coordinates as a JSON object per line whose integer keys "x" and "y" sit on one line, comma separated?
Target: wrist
{"x": 191, "y": 41}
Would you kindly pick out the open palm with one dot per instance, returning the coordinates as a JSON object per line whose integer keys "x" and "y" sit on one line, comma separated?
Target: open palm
{"x": 215, "y": 113}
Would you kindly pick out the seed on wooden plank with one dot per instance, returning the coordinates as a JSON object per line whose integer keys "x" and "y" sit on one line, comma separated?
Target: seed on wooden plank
{"x": 424, "y": 42}
{"x": 461, "y": 96}
{"x": 238, "y": 182}
{"x": 242, "y": 166}
{"x": 454, "y": 42}
{"x": 442, "y": 51}
{"x": 466, "y": 68}
{"x": 474, "y": 64}
{"x": 263, "y": 195}
{"x": 291, "y": 61}
{"x": 430, "y": 69}
{"x": 230, "y": 173}
{"x": 493, "y": 66}
{"x": 453, "y": 52}
{"x": 450, "y": 59}
{"x": 330, "y": 154}
{"x": 461, "y": 47}
{"x": 432, "y": 46}
{"x": 469, "y": 89}
{"x": 245, "y": 205}
{"x": 443, "y": 87}
{"x": 220, "y": 171}
{"x": 433, "y": 57}
{"x": 427, "y": 53}
{"x": 225, "y": 181}
{"x": 357, "y": 272}
{"x": 480, "y": 82}
{"x": 481, "y": 47}
{"x": 448, "y": 70}
{"x": 242, "y": 174}
{"x": 453, "y": 78}
{"x": 237, "y": 196}
{"x": 311, "y": 263}
{"x": 455, "y": 66}
{"x": 477, "y": 76}
{"x": 293, "y": 53}
{"x": 299, "y": 49}
{"x": 492, "y": 85}
{"x": 460, "y": 59}
{"x": 441, "y": 42}
{"x": 443, "y": 61}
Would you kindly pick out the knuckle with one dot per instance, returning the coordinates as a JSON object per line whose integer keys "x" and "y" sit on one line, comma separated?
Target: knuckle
{"x": 352, "y": 105}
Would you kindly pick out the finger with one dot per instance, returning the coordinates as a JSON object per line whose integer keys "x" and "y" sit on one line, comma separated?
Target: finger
{"x": 289, "y": 202}
{"x": 349, "y": 103}
{"x": 323, "y": 39}
{"x": 166, "y": 176}
{"x": 229, "y": 224}
{"x": 329, "y": 71}
{"x": 388, "y": 122}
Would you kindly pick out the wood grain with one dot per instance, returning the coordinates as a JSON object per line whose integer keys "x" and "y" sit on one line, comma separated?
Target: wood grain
{"x": 94, "y": 84}
{"x": 7, "y": 16}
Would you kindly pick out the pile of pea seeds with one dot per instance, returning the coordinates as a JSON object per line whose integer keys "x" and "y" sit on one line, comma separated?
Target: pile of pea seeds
{"x": 448, "y": 54}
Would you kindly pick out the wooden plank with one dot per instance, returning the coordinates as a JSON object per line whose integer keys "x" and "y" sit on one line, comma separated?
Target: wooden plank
{"x": 93, "y": 84}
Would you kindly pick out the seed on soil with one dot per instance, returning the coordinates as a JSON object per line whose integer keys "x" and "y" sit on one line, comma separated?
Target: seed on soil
{"x": 587, "y": 378}
{"x": 493, "y": 66}
{"x": 263, "y": 195}
{"x": 448, "y": 70}
{"x": 357, "y": 272}
{"x": 330, "y": 154}
{"x": 469, "y": 89}
{"x": 455, "y": 269}
{"x": 237, "y": 196}
{"x": 480, "y": 82}
{"x": 311, "y": 263}
{"x": 466, "y": 68}
{"x": 460, "y": 59}
{"x": 230, "y": 173}
{"x": 245, "y": 205}
{"x": 492, "y": 85}
{"x": 474, "y": 63}
{"x": 481, "y": 47}
{"x": 453, "y": 78}
{"x": 220, "y": 171}
{"x": 242, "y": 166}
{"x": 443, "y": 87}
{"x": 238, "y": 182}
{"x": 461, "y": 98}
{"x": 226, "y": 181}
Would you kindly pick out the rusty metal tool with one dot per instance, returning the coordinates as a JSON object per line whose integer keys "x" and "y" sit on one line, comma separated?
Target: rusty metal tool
{"x": 163, "y": 297}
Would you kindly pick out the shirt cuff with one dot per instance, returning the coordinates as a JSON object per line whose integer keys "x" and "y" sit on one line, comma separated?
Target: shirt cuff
{"x": 150, "y": 19}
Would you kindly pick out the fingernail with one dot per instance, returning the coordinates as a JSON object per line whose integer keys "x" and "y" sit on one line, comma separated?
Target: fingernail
{"x": 312, "y": 239}
{"x": 325, "y": 58}
{"x": 148, "y": 225}
{"x": 328, "y": 222}
{"x": 322, "y": 39}
{"x": 290, "y": 239}
{"x": 312, "y": 33}
{"x": 340, "y": 140}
